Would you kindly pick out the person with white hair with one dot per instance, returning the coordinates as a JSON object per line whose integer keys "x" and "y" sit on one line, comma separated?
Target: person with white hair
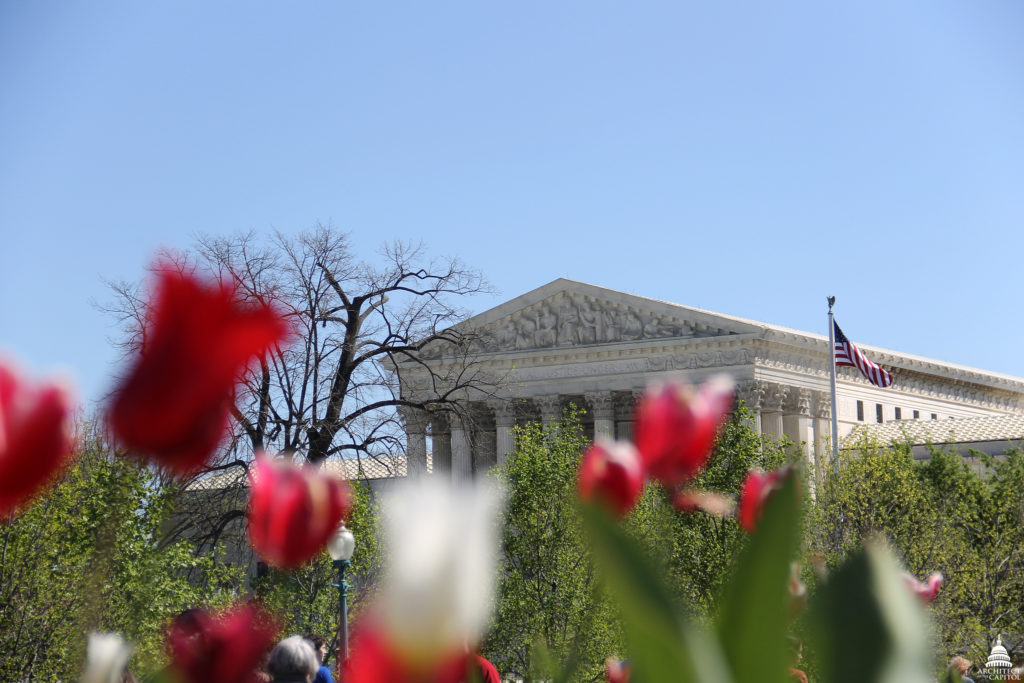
{"x": 292, "y": 661}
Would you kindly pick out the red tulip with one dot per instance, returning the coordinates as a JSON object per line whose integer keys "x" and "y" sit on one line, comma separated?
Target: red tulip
{"x": 175, "y": 404}
{"x": 927, "y": 590}
{"x": 293, "y": 511}
{"x": 35, "y": 436}
{"x": 611, "y": 473}
{"x": 676, "y": 427}
{"x": 375, "y": 660}
{"x": 616, "y": 670}
{"x": 757, "y": 488}
{"x": 227, "y": 648}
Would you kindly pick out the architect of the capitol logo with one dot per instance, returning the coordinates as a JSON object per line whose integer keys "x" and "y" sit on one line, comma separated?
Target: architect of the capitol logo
{"x": 999, "y": 667}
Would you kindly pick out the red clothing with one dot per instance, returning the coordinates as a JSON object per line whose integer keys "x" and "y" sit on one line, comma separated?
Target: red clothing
{"x": 488, "y": 674}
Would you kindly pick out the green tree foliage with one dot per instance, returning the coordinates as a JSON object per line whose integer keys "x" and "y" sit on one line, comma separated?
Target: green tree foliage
{"x": 940, "y": 514}
{"x": 549, "y": 606}
{"x": 87, "y": 556}
{"x": 698, "y": 550}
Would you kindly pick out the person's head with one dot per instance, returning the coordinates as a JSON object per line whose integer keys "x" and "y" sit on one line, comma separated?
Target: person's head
{"x": 319, "y": 645}
{"x": 959, "y": 665}
{"x": 292, "y": 659}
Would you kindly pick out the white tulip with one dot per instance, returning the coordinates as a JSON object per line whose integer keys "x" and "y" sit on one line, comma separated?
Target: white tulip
{"x": 106, "y": 657}
{"x": 441, "y": 549}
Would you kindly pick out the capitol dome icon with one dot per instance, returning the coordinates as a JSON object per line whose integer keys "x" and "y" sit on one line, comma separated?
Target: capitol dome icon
{"x": 998, "y": 665}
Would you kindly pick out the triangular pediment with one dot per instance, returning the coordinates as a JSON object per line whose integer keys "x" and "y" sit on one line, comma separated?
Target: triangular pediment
{"x": 566, "y": 313}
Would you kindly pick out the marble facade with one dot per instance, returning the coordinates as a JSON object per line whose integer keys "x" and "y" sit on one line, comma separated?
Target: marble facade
{"x": 571, "y": 342}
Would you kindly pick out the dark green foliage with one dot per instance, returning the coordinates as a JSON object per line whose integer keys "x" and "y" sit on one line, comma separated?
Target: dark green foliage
{"x": 87, "y": 556}
{"x": 549, "y": 603}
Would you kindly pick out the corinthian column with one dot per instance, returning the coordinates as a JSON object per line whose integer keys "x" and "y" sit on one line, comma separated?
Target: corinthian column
{"x": 752, "y": 395}
{"x": 602, "y": 406}
{"x": 821, "y": 409}
{"x": 462, "y": 452}
{"x": 550, "y": 409}
{"x": 771, "y": 415}
{"x": 415, "y": 440}
{"x": 440, "y": 446}
{"x": 504, "y": 419}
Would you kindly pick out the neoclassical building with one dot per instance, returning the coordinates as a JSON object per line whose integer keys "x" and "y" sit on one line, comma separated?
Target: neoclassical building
{"x": 572, "y": 342}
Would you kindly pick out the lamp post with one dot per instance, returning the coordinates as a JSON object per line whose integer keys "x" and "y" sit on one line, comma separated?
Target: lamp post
{"x": 340, "y": 547}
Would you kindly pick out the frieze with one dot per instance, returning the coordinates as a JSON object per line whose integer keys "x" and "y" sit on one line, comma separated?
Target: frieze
{"x": 571, "y": 319}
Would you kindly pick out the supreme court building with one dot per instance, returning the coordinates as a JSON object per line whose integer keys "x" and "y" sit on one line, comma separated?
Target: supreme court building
{"x": 572, "y": 342}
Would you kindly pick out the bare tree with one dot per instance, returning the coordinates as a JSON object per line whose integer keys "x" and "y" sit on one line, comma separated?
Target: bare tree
{"x": 373, "y": 339}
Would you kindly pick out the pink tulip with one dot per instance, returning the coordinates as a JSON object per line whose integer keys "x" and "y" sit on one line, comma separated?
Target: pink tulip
{"x": 611, "y": 474}
{"x": 676, "y": 427}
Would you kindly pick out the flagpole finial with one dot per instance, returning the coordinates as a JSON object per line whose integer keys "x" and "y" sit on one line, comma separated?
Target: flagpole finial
{"x": 831, "y": 302}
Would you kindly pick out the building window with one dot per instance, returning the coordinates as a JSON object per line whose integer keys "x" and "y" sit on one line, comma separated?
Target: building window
{"x": 935, "y": 416}
{"x": 899, "y": 413}
{"x": 917, "y": 414}
{"x": 860, "y": 411}
{"x": 878, "y": 413}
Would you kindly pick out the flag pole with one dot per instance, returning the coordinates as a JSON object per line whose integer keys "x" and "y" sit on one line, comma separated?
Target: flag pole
{"x": 832, "y": 376}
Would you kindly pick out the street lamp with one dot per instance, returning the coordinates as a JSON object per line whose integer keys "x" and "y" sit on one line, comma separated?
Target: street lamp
{"x": 340, "y": 547}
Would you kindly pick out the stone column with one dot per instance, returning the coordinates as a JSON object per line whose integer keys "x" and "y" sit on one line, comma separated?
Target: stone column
{"x": 797, "y": 423}
{"x": 550, "y": 409}
{"x": 625, "y": 412}
{"x": 415, "y": 421}
{"x": 821, "y": 409}
{"x": 504, "y": 419}
{"x": 752, "y": 395}
{"x": 771, "y": 412}
{"x": 462, "y": 452}
{"x": 441, "y": 446}
{"x": 602, "y": 407}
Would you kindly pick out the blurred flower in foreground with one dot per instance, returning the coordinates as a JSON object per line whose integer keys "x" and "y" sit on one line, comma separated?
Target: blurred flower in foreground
{"x": 293, "y": 510}
{"x": 676, "y": 427}
{"x": 435, "y": 599}
{"x": 226, "y": 648}
{"x": 174, "y": 405}
{"x": 616, "y": 671}
{"x": 106, "y": 657}
{"x": 35, "y": 436}
{"x": 926, "y": 590}
{"x": 757, "y": 488}
{"x": 611, "y": 474}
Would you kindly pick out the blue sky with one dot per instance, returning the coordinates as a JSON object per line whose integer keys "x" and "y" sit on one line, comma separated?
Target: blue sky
{"x": 747, "y": 158}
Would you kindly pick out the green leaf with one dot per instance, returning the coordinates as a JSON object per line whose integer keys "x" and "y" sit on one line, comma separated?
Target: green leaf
{"x": 755, "y": 612}
{"x": 867, "y": 625}
{"x": 658, "y": 651}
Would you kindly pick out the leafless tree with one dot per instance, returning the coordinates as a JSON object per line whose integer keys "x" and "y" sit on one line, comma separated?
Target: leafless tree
{"x": 365, "y": 331}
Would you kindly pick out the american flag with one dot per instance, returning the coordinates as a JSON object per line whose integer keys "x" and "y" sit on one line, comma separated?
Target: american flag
{"x": 847, "y": 353}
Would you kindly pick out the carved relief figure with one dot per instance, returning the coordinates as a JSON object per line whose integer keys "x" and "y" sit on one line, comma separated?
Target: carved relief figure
{"x": 630, "y": 324}
{"x": 546, "y": 325}
{"x": 527, "y": 327}
{"x": 568, "y": 322}
{"x": 590, "y": 319}
{"x": 609, "y": 321}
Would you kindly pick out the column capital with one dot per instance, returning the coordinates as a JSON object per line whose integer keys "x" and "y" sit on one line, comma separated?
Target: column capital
{"x": 752, "y": 394}
{"x": 413, "y": 419}
{"x": 602, "y": 404}
{"x": 504, "y": 412}
{"x": 775, "y": 396}
{"x": 799, "y": 402}
{"x": 821, "y": 405}
{"x": 550, "y": 407}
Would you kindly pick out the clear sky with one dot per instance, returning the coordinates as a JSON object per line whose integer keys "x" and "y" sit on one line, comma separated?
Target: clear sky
{"x": 747, "y": 158}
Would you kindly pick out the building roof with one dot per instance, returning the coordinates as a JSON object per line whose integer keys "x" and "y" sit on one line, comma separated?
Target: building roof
{"x": 351, "y": 469}
{"x": 961, "y": 431}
